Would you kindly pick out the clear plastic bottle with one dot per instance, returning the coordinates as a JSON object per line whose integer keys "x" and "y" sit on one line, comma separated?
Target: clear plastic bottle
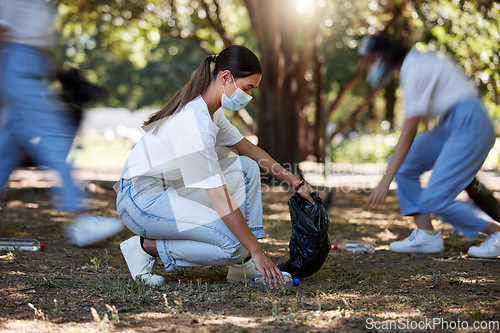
{"x": 354, "y": 246}
{"x": 21, "y": 244}
{"x": 256, "y": 281}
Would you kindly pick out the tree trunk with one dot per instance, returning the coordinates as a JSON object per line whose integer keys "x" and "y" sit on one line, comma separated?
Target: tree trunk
{"x": 390, "y": 98}
{"x": 286, "y": 44}
{"x": 319, "y": 117}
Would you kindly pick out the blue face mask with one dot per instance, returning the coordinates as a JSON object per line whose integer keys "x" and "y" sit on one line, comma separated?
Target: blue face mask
{"x": 238, "y": 100}
{"x": 379, "y": 74}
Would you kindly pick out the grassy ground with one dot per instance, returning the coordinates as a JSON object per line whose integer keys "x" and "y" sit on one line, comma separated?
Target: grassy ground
{"x": 70, "y": 289}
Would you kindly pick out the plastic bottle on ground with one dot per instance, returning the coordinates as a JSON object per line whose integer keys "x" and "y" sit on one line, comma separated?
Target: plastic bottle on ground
{"x": 354, "y": 246}
{"x": 20, "y": 244}
{"x": 256, "y": 281}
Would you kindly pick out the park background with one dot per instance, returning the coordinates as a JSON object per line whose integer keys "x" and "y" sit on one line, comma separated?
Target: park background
{"x": 312, "y": 109}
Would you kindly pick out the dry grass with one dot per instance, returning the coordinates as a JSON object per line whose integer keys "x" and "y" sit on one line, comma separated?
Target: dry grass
{"x": 56, "y": 290}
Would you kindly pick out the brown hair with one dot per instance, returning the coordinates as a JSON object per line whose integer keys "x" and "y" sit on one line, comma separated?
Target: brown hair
{"x": 392, "y": 53}
{"x": 238, "y": 59}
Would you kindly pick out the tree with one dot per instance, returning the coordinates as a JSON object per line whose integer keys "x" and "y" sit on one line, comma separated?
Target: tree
{"x": 307, "y": 49}
{"x": 286, "y": 39}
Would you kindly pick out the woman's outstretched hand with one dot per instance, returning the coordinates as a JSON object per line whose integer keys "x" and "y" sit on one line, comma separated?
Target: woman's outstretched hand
{"x": 378, "y": 196}
{"x": 408, "y": 132}
{"x": 271, "y": 275}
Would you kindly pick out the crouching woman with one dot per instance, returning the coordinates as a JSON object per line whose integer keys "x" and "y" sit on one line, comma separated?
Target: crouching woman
{"x": 186, "y": 206}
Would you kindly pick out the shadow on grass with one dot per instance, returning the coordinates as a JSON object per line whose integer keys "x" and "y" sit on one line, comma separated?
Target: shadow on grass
{"x": 347, "y": 292}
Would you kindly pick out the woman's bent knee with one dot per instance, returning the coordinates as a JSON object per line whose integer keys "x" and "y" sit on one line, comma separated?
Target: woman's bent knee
{"x": 239, "y": 254}
{"x": 241, "y": 163}
{"x": 249, "y": 164}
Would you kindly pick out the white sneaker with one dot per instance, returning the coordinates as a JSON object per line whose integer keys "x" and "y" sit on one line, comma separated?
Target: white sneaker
{"x": 140, "y": 264}
{"x": 490, "y": 248}
{"x": 241, "y": 272}
{"x": 419, "y": 242}
{"x": 89, "y": 229}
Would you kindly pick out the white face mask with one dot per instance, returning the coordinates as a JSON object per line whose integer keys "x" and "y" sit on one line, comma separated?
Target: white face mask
{"x": 238, "y": 100}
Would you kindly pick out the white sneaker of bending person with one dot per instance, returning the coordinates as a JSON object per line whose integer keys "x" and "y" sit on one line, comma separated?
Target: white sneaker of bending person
{"x": 140, "y": 263}
{"x": 241, "y": 272}
{"x": 490, "y": 248}
{"x": 419, "y": 242}
{"x": 89, "y": 229}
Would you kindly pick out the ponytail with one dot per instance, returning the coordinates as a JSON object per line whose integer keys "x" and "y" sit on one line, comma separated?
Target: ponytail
{"x": 198, "y": 83}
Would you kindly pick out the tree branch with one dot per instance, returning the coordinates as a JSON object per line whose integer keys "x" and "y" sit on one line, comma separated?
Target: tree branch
{"x": 346, "y": 87}
{"x": 354, "y": 116}
{"x": 216, "y": 23}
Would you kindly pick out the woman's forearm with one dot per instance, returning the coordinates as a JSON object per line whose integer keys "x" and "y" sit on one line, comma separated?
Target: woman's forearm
{"x": 379, "y": 193}
{"x": 267, "y": 164}
{"x": 274, "y": 169}
{"x": 408, "y": 133}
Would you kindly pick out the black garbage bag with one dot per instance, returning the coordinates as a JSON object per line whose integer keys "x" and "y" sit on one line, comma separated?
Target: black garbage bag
{"x": 309, "y": 244}
{"x": 484, "y": 199}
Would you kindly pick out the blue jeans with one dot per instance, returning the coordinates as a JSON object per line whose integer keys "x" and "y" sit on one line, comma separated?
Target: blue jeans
{"x": 34, "y": 121}
{"x": 455, "y": 151}
{"x": 187, "y": 230}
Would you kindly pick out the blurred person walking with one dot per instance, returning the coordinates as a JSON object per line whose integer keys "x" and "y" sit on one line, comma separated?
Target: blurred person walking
{"x": 34, "y": 120}
{"x": 184, "y": 204}
{"x": 433, "y": 86}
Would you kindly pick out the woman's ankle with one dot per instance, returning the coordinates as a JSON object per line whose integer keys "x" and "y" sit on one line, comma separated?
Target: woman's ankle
{"x": 149, "y": 246}
{"x": 491, "y": 228}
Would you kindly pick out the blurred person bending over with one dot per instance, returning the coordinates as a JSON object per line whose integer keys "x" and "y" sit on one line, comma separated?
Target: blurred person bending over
{"x": 35, "y": 121}
{"x": 433, "y": 86}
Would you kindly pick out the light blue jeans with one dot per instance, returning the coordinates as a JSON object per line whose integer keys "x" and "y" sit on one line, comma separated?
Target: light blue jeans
{"x": 455, "y": 151}
{"x": 187, "y": 230}
{"x": 34, "y": 120}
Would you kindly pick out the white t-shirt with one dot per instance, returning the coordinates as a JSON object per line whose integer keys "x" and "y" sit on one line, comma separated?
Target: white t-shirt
{"x": 29, "y": 22}
{"x": 432, "y": 84}
{"x": 184, "y": 147}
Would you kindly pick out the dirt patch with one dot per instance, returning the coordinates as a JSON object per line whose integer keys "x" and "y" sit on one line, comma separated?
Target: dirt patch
{"x": 56, "y": 289}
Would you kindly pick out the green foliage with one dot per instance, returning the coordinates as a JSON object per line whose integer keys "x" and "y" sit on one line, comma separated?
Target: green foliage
{"x": 121, "y": 49}
{"x": 142, "y": 51}
{"x": 121, "y": 291}
{"x": 168, "y": 68}
{"x": 340, "y": 67}
{"x": 366, "y": 148}
{"x": 379, "y": 147}
{"x": 493, "y": 159}
{"x": 56, "y": 282}
{"x": 127, "y": 29}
